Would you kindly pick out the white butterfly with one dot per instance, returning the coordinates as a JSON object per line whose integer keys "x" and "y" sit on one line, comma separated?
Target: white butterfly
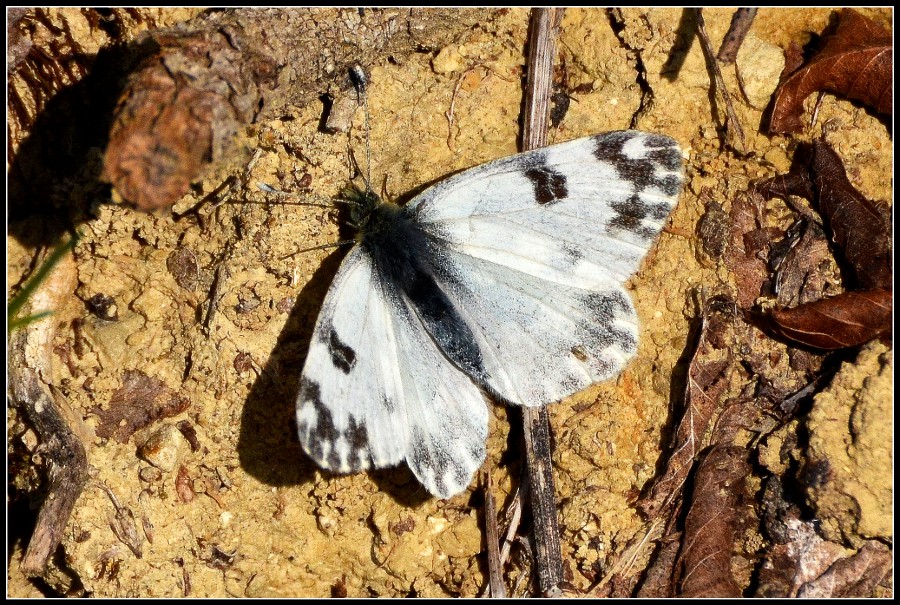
{"x": 506, "y": 278}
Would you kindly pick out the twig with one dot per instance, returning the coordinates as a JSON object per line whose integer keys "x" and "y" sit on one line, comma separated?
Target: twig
{"x": 181, "y": 111}
{"x": 495, "y": 569}
{"x": 737, "y": 31}
{"x": 548, "y": 558}
{"x": 541, "y": 51}
{"x": 514, "y": 520}
{"x": 29, "y": 364}
{"x": 450, "y": 113}
{"x": 732, "y": 125}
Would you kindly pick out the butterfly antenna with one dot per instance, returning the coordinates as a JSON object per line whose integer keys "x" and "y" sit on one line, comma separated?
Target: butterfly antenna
{"x": 329, "y": 203}
{"x": 360, "y": 81}
{"x": 346, "y": 242}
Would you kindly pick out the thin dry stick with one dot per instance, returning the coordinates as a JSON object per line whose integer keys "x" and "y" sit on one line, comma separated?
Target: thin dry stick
{"x": 737, "y": 31}
{"x": 732, "y": 124}
{"x": 495, "y": 570}
{"x": 541, "y": 51}
{"x": 515, "y": 516}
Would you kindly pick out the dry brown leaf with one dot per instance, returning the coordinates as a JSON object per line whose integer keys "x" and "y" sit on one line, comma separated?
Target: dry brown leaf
{"x": 860, "y": 228}
{"x": 855, "y": 62}
{"x": 846, "y": 320}
{"x": 707, "y": 379}
{"x": 659, "y": 582}
{"x": 141, "y": 401}
{"x": 857, "y": 576}
{"x": 704, "y": 562}
{"x": 748, "y": 242}
{"x": 802, "y": 268}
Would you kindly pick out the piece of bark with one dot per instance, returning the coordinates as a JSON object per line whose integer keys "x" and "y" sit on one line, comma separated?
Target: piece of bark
{"x": 492, "y": 537}
{"x": 29, "y": 371}
{"x": 227, "y": 69}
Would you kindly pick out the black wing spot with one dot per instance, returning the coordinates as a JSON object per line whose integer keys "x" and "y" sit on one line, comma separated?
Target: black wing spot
{"x": 324, "y": 430}
{"x": 630, "y": 216}
{"x": 642, "y": 173}
{"x": 319, "y": 440}
{"x": 606, "y": 308}
{"x": 342, "y": 355}
{"x": 549, "y": 185}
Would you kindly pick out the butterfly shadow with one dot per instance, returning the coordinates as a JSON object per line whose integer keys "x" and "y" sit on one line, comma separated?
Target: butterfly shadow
{"x": 268, "y": 447}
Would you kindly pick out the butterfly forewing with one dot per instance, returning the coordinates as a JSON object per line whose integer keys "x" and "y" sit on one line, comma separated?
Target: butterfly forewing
{"x": 351, "y": 390}
{"x": 376, "y": 391}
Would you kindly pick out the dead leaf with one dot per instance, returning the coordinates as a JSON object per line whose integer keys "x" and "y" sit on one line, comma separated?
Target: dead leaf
{"x": 855, "y": 62}
{"x": 803, "y": 267}
{"x": 711, "y": 525}
{"x": 748, "y": 246}
{"x": 141, "y": 401}
{"x": 658, "y": 582}
{"x": 860, "y": 228}
{"x": 857, "y": 576}
{"x": 804, "y": 557}
{"x": 707, "y": 379}
{"x": 846, "y": 320}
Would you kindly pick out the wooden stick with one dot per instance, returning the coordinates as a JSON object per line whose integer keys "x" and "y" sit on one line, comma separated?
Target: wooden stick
{"x": 495, "y": 567}
{"x": 732, "y": 124}
{"x": 30, "y": 365}
{"x": 548, "y": 557}
{"x": 737, "y": 31}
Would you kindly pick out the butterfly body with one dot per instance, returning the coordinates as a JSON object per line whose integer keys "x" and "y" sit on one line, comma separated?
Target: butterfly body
{"x": 506, "y": 278}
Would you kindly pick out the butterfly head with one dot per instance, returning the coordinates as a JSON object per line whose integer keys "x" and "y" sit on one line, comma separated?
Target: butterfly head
{"x": 361, "y": 203}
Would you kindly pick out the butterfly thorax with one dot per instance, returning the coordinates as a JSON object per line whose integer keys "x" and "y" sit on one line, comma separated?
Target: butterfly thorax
{"x": 387, "y": 232}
